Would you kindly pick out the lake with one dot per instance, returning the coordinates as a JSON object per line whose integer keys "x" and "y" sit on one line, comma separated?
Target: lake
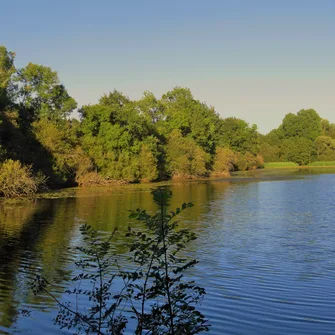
{"x": 266, "y": 249}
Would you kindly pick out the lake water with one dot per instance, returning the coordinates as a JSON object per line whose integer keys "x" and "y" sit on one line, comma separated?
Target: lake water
{"x": 266, "y": 249}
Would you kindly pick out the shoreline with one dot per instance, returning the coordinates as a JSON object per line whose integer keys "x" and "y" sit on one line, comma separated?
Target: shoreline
{"x": 298, "y": 167}
{"x": 263, "y": 174}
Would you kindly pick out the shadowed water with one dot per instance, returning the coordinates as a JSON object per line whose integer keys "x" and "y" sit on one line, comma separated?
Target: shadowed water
{"x": 266, "y": 250}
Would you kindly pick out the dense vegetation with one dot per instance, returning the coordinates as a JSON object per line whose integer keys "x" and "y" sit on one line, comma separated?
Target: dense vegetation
{"x": 302, "y": 138}
{"x": 124, "y": 140}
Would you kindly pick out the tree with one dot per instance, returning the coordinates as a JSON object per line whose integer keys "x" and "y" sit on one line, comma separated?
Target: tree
{"x": 118, "y": 137}
{"x": 38, "y": 93}
{"x": 238, "y": 135}
{"x": 151, "y": 108}
{"x": 306, "y": 124}
{"x": 148, "y": 160}
{"x": 248, "y": 161}
{"x": 68, "y": 158}
{"x": 185, "y": 159}
{"x": 224, "y": 161}
{"x": 299, "y": 150}
{"x": 269, "y": 152}
{"x": 6, "y": 70}
{"x": 325, "y": 148}
{"x": 328, "y": 129}
{"x": 191, "y": 117}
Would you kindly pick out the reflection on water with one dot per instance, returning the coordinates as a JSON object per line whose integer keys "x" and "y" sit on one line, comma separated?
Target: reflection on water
{"x": 266, "y": 251}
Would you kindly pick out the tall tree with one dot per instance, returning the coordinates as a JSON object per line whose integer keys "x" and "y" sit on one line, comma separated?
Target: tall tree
{"x": 306, "y": 124}
{"x": 118, "y": 137}
{"x": 236, "y": 134}
{"x": 6, "y": 70}
{"x": 328, "y": 129}
{"x": 184, "y": 157}
{"x": 325, "y": 148}
{"x": 191, "y": 117}
{"x": 39, "y": 93}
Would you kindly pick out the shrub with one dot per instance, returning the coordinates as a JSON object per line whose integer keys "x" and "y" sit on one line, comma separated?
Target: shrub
{"x": 154, "y": 294}
{"x": 223, "y": 162}
{"x": 95, "y": 179}
{"x": 68, "y": 159}
{"x": 271, "y": 153}
{"x": 248, "y": 161}
{"x": 260, "y": 161}
{"x": 185, "y": 159}
{"x": 17, "y": 180}
{"x": 148, "y": 164}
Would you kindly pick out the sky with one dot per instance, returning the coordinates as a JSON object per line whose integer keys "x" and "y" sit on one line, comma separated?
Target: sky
{"x": 256, "y": 60}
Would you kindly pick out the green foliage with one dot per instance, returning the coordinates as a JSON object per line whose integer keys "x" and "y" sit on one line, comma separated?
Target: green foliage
{"x": 148, "y": 161}
{"x": 224, "y": 162}
{"x": 280, "y": 165}
{"x": 68, "y": 159}
{"x": 323, "y": 163}
{"x": 154, "y": 294}
{"x": 152, "y": 109}
{"x": 39, "y": 93}
{"x": 6, "y": 70}
{"x": 119, "y": 139}
{"x": 325, "y": 148}
{"x": 237, "y": 135}
{"x": 191, "y": 117}
{"x": 271, "y": 153}
{"x": 296, "y": 138}
{"x": 248, "y": 161}
{"x": 100, "y": 314}
{"x": 328, "y": 129}
{"x": 185, "y": 159}
{"x": 299, "y": 150}
{"x": 21, "y": 144}
{"x": 17, "y": 180}
{"x": 306, "y": 124}
{"x": 167, "y": 302}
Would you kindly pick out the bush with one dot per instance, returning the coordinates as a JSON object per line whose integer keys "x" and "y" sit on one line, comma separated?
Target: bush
{"x": 155, "y": 294}
{"x": 260, "y": 161}
{"x": 185, "y": 159}
{"x": 223, "y": 162}
{"x": 95, "y": 179}
{"x": 248, "y": 161}
{"x": 271, "y": 153}
{"x": 148, "y": 164}
{"x": 17, "y": 180}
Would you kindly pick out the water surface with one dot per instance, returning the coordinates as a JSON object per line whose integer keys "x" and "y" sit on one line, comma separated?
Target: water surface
{"x": 266, "y": 247}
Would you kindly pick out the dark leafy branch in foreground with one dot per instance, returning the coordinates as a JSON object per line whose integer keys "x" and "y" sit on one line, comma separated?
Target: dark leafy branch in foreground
{"x": 153, "y": 297}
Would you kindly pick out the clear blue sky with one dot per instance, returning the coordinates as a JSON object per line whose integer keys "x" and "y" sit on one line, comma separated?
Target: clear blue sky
{"x": 257, "y": 60}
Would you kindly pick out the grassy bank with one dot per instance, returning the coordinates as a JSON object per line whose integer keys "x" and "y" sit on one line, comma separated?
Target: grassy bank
{"x": 273, "y": 165}
{"x": 322, "y": 164}
{"x": 278, "y": 165}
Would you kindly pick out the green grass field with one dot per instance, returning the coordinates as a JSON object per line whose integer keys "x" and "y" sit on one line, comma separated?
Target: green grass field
{"x": 272, "y": 165}
{"x": 322, "y": 163}
{"x": 277, "y": 165}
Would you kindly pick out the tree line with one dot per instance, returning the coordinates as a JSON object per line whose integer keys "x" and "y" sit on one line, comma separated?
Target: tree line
{"x": 123, "y": 140}
{"x": 302, "y": 138}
